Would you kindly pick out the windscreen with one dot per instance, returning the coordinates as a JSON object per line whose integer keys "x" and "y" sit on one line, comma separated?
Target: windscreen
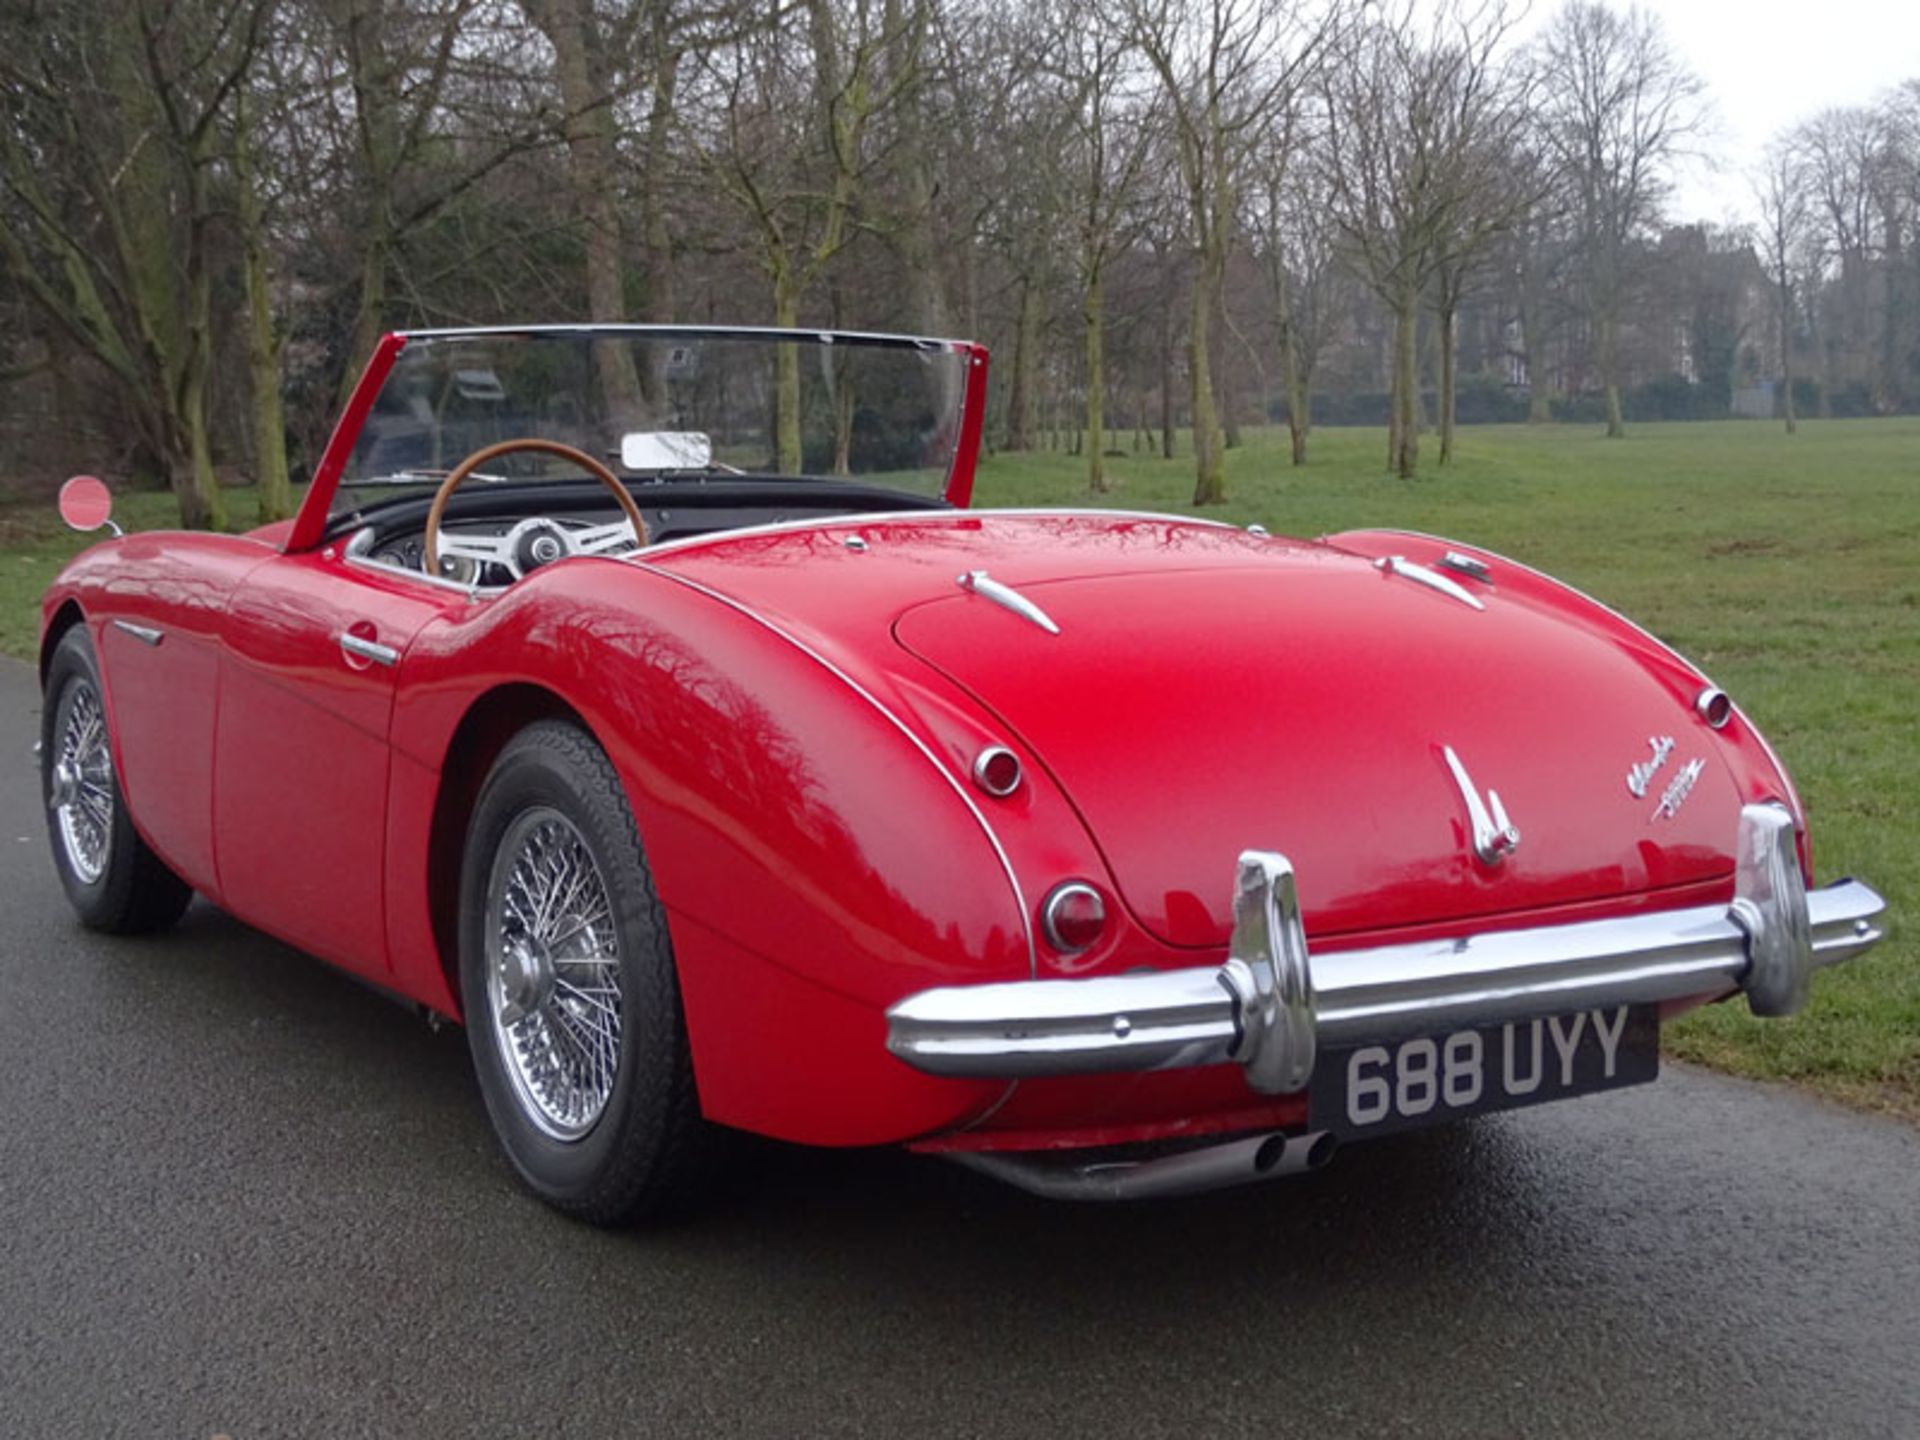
{"x": 665, "y": 405}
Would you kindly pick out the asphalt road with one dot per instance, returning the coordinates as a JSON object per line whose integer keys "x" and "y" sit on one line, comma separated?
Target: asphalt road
{"x": 242, "y": 1195}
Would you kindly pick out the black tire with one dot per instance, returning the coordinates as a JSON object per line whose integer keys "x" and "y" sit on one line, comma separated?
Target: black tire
{"x": 646, "y": 1151}
{"x": 127, "y": 889}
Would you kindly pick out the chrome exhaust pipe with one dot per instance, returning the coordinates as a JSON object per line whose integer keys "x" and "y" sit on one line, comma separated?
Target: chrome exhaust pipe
{"x": 1190, "y": 1172}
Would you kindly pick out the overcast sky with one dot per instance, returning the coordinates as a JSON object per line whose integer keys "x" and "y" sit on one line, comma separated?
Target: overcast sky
{"x": 1768, "y": 64}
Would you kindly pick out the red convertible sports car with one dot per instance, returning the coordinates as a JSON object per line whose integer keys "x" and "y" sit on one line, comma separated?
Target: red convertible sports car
{"x": 648, "y": 700}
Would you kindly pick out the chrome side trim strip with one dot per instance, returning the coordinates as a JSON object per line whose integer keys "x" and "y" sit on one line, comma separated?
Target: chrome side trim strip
{"x": 1766, "y": 942}
{"x": 953, "y": 781}
{"x": 1432, "y": 579}
{"x": 943, "y": 514}
{"x": 145, "y": 634}
{"x": 980, "y": 583}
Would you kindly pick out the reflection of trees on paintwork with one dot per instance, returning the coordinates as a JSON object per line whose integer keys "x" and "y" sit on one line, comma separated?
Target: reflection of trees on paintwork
{"x": 718, "y": 757}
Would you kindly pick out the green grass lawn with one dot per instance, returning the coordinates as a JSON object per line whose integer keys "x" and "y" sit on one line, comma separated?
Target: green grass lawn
{"x": 1788, "y": 567}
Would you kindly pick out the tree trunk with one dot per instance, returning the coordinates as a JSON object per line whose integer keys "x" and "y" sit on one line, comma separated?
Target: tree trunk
{"x": 1891, "y": 387}
{"x": 568, "y": 26}
{"x": 1785, "y": 292}
{"x": 1209, "y": 463}
{"x": 656, "y": 236}
{"x": 1533, "y": 343}
{"x": 1166, "y": 381}
{"x": 1609, "y": 375}
{"x": 1291, "y": 377}
{"x": 1020, "y": 373}
{"x": 273, "y": 485}
{"x": 786, "y": 376}
{"x": 1393, "y": 391}
{"x": 1823, "y": 405}
{"x": 190, "y": 463}
{"x": 1406, "y": 384}
{"x": 1225, "y": 393}
{"x": 1422, "y": 367}
{"x": 201, "y": 504}
{"x": 1448, "y": 366}
{"x": 843, "y": 412}
{"x": 1539, "y": 398}
{"x": 1094, "y": 310}
{"x": 369, "y": 319}
{"x": 272, "y": 480}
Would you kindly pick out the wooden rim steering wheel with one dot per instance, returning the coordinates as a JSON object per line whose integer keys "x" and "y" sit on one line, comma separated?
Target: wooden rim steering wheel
{"x": 498, "y": 550}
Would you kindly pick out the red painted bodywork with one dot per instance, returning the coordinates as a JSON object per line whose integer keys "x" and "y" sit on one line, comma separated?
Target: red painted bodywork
{"x": 795, "y": 721}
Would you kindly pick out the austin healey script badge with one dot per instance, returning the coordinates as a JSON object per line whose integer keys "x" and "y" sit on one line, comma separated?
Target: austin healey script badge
{"x": 1678, "y": 788}
{"x": 1640, "y": 776}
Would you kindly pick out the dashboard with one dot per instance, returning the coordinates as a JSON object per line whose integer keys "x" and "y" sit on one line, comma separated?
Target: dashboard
{"x": 535, "y": 540}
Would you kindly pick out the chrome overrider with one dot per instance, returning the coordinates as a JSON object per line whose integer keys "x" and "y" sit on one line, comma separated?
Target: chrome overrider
{"x": 1271, "y": 1006}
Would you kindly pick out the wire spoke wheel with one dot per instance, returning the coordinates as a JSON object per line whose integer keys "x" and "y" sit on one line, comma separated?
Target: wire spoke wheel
{"x": 553, "y": 973}
{"x": 82, "y": 791}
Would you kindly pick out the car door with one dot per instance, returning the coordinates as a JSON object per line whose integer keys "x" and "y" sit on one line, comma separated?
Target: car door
{"x": 315, "y": 646}
{"x": 157, "y": 632}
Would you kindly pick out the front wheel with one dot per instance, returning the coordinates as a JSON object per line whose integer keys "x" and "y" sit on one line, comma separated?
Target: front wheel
{"x": 567, "y": 981}
{"x": 114, "y": 881}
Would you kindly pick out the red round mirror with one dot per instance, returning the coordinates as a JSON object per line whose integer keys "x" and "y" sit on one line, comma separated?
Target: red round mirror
{"x": 85, "y": 502}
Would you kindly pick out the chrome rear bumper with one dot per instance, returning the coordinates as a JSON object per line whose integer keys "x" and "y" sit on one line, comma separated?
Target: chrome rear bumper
{"x": 1271, "y": 1008}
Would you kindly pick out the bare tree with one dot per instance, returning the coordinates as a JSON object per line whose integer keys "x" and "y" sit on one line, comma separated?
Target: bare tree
{"x": 114, "y": 134}
{"x": 1110, "y": 134}
{"x": 411, "y": 74}
{"x": 1493, "y": 188}
{"x": 1287, "y": 214}
{"x": 796, "y": 105}
{"x": 1533, "y": 257}
{"x": 584, "y": 54}
{"x": 1780, "y": 188}
{"x": 1225, "y": 68}
{"x": 1419, "y": 124}
{"x": 1618, "y": 105}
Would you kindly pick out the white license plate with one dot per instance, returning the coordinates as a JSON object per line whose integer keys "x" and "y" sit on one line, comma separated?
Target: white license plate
{"x": 1378, "y": 1089}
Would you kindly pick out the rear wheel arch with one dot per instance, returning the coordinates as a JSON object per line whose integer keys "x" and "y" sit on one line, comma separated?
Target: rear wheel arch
{"x": 489, "y": 723}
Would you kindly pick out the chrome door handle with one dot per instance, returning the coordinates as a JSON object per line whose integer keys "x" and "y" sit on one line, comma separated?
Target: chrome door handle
{"x": 369, "y": 649}
{"x": 145, "y": 634}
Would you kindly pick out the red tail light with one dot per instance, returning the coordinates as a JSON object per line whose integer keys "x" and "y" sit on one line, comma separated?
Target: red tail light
{"x": 1074, "y": 917}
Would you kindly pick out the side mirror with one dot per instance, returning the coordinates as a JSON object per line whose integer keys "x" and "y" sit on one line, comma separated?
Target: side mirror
{"x": 86, "y": 504}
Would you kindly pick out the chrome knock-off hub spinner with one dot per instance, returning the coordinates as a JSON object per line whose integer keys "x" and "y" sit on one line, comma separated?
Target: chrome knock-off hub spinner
{"x": 553, "y": 974}
{"x": 80, "y": 788}
{"x": 526, "y": 979}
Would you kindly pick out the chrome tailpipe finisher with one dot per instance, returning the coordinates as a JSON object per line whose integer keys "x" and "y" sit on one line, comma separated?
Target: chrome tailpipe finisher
{"x": 1188, "y": 1172}
{"x": 1770, "y": 904}
{"x": 1270, "y": 977}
